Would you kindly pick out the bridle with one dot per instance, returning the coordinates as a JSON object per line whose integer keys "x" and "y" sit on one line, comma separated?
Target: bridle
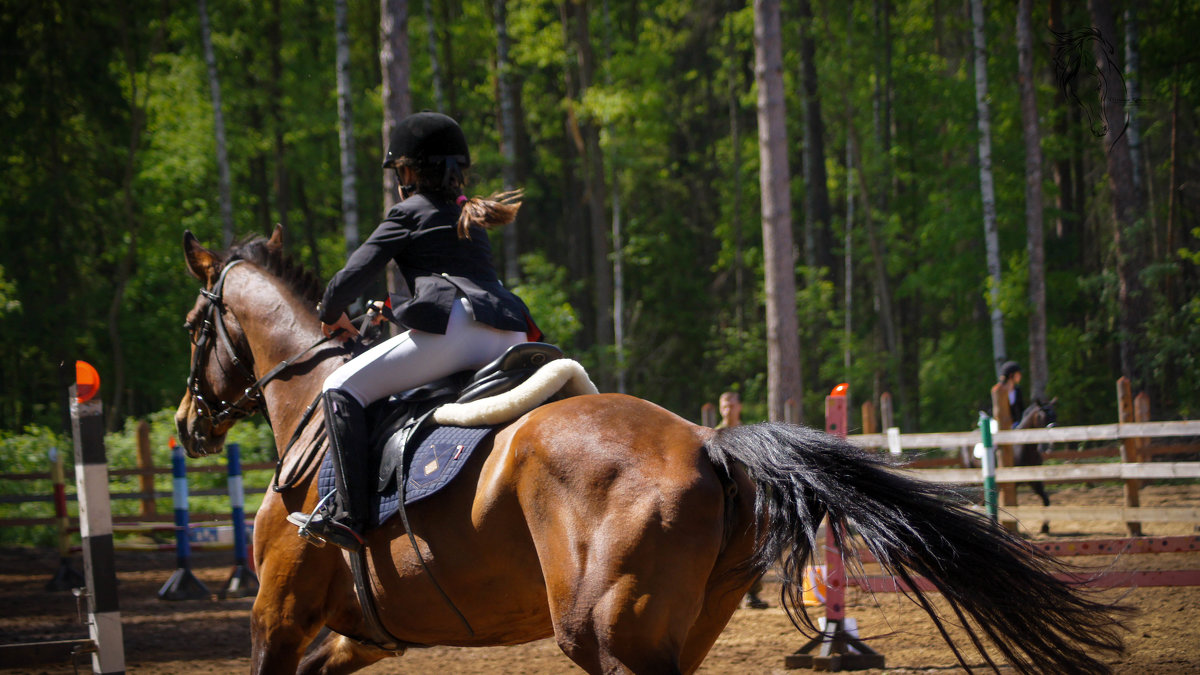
{"x": 212, "y": 322}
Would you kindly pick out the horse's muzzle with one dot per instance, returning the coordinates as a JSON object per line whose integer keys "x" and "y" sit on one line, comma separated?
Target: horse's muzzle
{"x": 196, "y": 434}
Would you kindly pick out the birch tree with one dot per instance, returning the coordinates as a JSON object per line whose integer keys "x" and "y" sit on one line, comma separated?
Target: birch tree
{"x": 214, "y": 85}
{"x": 1038, "y": 362}
{"x": 783, "y": 343}
{"x": 986, "y": 184}
{"x": 346, "y": 130}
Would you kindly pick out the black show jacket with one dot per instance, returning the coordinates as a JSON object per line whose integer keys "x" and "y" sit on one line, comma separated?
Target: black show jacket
{"x": 420, "y": 234}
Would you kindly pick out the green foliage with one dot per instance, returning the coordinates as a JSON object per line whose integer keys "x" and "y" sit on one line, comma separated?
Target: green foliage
{"x": 8, "y": 295}
{"x": 110, "y": 156}
{"x": 546, "y": 289}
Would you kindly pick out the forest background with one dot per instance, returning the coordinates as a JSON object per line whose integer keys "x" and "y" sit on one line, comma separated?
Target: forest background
{"x": 641, "y": 114}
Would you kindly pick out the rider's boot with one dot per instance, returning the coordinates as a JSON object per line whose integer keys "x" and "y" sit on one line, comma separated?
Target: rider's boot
{"x": 343, "y": 520}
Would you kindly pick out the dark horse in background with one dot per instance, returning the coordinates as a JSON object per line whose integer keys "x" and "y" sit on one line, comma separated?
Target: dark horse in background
{"x": 1039, "y": 415}
{"x": 621, "y": 529}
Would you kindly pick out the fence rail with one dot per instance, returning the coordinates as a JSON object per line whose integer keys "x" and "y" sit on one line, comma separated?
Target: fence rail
{"x": 1080, "y": 434}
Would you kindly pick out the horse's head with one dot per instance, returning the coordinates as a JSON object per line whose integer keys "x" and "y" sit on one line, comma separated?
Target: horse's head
{"x": 1040, "y": 415}
{"x": 221, "y": 382}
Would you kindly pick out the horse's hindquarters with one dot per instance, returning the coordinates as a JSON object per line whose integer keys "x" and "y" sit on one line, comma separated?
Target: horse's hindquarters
{"x": 627, "y": 515}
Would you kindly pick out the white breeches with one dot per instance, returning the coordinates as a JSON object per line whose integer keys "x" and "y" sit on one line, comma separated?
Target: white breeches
{"x": 415, "y": 358}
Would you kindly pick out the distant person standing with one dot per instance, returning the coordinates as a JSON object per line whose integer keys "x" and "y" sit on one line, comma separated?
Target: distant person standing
{"x": 1010, "y": 377}
{"x": 730, "y": 407}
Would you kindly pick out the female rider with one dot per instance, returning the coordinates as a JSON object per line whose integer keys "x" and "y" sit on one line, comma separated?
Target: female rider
{"x": 459, "y": 317}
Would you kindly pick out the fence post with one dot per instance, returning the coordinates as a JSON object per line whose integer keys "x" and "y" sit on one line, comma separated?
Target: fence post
{"x": 183, "y": 584}
{"x": 1141, "y": 413}
{"x": 96, "y": 532}
{"x": 708, "y": 415}
{"x": 886, "y": 420}
{"x": 66, "y": 577}
{"x": 1130, "y": 450}
{"x": 791, "y": 411}
{"x": 242, "y": 581}
{"x": 868, "y": 418}
{"x": 146, "y": 467}
{"x": 1004, "y": 453}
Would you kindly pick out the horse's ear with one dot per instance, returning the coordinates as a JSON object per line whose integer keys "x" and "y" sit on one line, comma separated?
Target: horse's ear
{"x": 275, "y": 243}
{"x": 201, "y": 262}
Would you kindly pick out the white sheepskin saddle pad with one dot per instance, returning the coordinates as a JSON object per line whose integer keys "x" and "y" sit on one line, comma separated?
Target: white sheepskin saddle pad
{"x": 563, "y": 377}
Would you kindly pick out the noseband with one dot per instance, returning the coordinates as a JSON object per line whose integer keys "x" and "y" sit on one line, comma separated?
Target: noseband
{"x": 213, "y": 322}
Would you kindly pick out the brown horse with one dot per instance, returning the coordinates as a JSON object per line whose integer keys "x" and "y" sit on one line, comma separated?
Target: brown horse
{"x": 623, "y": 530}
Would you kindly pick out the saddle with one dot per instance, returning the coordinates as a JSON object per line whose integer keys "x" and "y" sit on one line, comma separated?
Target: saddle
{"x": 417, "y": 452}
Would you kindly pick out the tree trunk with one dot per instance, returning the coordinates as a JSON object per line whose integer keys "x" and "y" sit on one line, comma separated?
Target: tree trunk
{"x": 214, "y": 85}
{"x": 579, "y": 34}
{"x": 439, "y": 98}
{"x": 1038, "y": 362}
{"x": 1132, "y": 62}
{"x": 346, "y": 130}
{"x": 508, "y": 138}
{"x": 783, "y": 344}
{"x": 735, "y": 218}
{"x": 882, "y": 100}
{"x": 618, "y": 264}
{"x": 1172, "y": 185}
{"x": 817, "y": 249}
{"x": 1126, "y": 207}
{"x": 275, "y": 45}
{"x": 1064, "y": 201}
{"x": 138, "y": 98}
{"x": 394, "y": 66}
{"x": 577, "y": 237}
{"x": 986, "y": 185}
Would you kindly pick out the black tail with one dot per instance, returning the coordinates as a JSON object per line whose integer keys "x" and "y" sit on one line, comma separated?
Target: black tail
{"x": 997, "y": 586}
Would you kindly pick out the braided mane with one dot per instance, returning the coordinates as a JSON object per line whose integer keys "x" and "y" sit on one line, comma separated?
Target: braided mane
{"x": 299, "y": 279}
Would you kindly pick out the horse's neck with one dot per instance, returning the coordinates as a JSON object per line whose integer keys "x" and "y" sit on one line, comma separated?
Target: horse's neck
{"x": 278, "y": 327}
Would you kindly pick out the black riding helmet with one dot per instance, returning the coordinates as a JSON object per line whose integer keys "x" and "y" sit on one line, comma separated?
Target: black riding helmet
{"x": 428, "y": 138}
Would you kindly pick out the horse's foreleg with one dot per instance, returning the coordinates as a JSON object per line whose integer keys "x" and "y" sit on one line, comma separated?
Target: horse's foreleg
{"x": 338, "y": 654}
{"x": 276, "y": 643}
{"x": 292, "y": 605}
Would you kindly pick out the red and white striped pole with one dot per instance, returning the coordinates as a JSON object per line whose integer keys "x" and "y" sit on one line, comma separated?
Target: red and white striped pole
{"x": 837, "y": 647}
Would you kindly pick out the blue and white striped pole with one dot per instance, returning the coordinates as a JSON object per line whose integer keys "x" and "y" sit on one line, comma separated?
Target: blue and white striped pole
{"x": 183, "y": 585}
{"x": 96, "y": 533}
{"x": 242, "y": 581}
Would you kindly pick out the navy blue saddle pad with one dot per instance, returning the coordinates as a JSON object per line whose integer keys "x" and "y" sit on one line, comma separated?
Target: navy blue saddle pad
{"x": 435, "y": 462}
